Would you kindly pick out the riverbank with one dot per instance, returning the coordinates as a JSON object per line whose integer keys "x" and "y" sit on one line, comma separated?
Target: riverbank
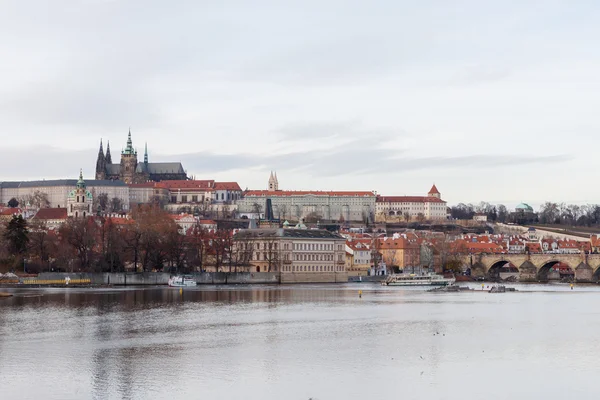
{"x": 162, "y": 278}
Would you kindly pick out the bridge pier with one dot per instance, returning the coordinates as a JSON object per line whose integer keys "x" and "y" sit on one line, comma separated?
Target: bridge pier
{"x": 478, "y": 271}
{"x": 583, "y": 273}
{"x": 528, "y": 272}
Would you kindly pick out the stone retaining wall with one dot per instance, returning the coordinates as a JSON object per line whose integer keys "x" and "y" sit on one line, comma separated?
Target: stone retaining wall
{"x": 314, "y": 277}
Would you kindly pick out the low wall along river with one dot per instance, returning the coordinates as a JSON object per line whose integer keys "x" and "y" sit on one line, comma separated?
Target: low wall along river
{"x": 206, "y": 278}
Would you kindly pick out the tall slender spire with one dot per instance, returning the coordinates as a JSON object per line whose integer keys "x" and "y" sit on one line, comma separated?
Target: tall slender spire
{"x": 100, "y": 163}
{"x": 108, "y": 158}
{"x": 129, "y": 148}
{"x": 146, "y": 153}
{"x": 81, "y": 182}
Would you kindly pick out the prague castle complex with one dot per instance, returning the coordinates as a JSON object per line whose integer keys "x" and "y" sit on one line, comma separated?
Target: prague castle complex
{"x": 129, "y": 170}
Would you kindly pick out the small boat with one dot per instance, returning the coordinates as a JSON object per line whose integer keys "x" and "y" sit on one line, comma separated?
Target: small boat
{"x": 418, "y": 280}
{"x": 181, "y": 281}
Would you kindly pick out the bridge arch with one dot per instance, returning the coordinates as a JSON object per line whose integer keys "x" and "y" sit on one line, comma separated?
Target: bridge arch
{"x": 555, "y": 270}
{"x": 502, "y": 270}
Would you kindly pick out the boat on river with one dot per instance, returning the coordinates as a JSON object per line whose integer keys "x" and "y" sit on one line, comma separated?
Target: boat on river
{"x": 418, "y": 280}
{"x": 182, "y": 281}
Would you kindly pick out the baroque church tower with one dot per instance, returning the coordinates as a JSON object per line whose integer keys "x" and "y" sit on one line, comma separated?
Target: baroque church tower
{"x": 128, "y": 162}
{"x": 80, "y": 200}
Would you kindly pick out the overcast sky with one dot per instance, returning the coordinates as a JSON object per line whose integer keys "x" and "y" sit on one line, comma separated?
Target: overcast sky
{"x": 491, "y": 100}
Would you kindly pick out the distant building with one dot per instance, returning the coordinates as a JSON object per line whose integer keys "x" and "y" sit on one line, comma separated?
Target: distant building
{"x": 129, "y": 170}
{"x": 273, "y": 182}
{"x": 305, "y": 255}
{"x": 523, "y": 208}
{"x": 310, "y": 205}
{"x": 523, "y": 214}
{"x": 480, "y": 217}
{"x": 359, "y": 254}
{"x": 55, "y": 192}
{"x": 80, "y": 200}
{"x": 430, "y": 207}
{"x": 53, "y": 218}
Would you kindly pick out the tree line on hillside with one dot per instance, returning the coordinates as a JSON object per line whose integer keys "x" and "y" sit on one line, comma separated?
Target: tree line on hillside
{"x": 150, "y": 240}
{"x": 549, "y": 213}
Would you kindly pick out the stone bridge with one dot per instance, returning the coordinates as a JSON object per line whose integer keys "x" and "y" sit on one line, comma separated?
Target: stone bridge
{"x": 535, "y": 267}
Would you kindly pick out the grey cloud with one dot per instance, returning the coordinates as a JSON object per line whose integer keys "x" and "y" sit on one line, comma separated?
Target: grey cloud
{"x": 49, "y": 163}
{"x": 348, "y": 131}
{"x": 42, "y": 162}
{"x": 476, "y": 74}
{"x": 361, "y": 160}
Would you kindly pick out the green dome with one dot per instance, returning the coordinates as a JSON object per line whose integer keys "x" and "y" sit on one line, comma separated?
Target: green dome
{"x": 524, "y": 207}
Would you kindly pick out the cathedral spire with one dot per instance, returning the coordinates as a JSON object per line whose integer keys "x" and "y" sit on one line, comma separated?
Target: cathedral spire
{"x": 129, "y": 148}
{"x": 108, "y": 158}
{"x": 146, "y": 153}
{"x": 100, "y": 163}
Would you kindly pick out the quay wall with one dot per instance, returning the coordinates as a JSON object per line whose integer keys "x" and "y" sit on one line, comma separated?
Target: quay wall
{"x": 317, "y": 277}
{"x": 205, "y": 278}
{"x": 162, "y": 278}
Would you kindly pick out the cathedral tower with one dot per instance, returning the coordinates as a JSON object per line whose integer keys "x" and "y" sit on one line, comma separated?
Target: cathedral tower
{"x": 128, "y": 162}
{"x": 273, "y": 183}
{"x": 101, "y": 163}
{"x": 108, "y": 158}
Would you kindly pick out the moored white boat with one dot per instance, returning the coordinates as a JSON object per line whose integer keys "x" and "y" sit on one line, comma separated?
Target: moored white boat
{"x": 181, "y": 281}
{"x": 418, "y": 280}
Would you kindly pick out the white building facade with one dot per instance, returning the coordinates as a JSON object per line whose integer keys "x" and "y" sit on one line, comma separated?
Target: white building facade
{"x": 431, "y": 207}
{"x": 346, "y": 206}
{"x": 57, "y": 191}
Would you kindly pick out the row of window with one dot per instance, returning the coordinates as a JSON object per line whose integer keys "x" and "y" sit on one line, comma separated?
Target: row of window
{"x": 316, "y": 247}
{"x": 312, "y": 268}
{"x": 313, "y": 257}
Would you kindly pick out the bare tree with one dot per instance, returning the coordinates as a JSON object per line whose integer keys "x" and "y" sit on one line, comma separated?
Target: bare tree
{"x": 40, "y": 244}
{"x": 116, "y": 205}
{"x": 257, "y": 209}
{"x": 81, "y": 235}
{"x": 282, "y": 211}
{"x": 102, "y": 200}
{"x": 272, "y": 254}
{"x": 37, "y": 199}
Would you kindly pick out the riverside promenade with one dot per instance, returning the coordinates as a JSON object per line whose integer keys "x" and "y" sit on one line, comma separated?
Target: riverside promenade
{"x": 162, "y": 278}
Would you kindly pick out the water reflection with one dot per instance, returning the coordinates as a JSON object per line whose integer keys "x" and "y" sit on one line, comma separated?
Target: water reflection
{"x": 280, "y": 342}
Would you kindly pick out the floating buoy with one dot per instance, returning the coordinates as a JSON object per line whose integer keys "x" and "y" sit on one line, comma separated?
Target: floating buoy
{"x": 360, "y": 294}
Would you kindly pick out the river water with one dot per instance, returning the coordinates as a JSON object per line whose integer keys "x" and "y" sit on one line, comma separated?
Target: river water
{"x": 300, "y": 342}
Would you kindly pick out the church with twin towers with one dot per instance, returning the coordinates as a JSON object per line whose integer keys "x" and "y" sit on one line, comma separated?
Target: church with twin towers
{"x": 130, "y": 170}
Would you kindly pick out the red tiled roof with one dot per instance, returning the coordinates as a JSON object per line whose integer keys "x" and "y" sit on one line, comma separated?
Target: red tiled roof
{"x": 51, "y": 213}
{"x": 11, "y": 211}
{"x": 181, "y": 216}
{"x": 196, "y": 184}
{"x": 434, "y": 190}
{"x": 534, "y": 247}
{"x": 121, "y": 221}
{"x": 408, "y": 199}
{"x": 399, "y": 243}
{"x": 227, "y": 186}
{"x": 283, "y": 193}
